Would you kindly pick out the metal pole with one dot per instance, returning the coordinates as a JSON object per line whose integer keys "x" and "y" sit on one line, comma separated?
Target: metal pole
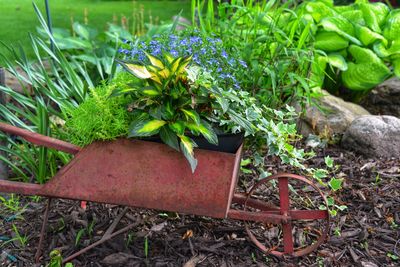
{"x": 49, "y": 24}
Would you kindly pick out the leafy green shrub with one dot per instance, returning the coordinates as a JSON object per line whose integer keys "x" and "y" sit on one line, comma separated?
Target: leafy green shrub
{"x": 99, "y": 117}
{"x": 359, "y": 43}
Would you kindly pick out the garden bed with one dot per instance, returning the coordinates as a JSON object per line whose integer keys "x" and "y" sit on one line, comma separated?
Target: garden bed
{"x": 370, "y": 230}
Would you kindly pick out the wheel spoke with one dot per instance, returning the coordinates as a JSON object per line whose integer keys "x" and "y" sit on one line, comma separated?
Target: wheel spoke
{"x": 308, "y": 214}
{"x": 287, "y": 238}
{"x": 284, "y": 195}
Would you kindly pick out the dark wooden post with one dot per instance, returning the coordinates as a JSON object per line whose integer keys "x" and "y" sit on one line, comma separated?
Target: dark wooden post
{"x": 3, "y": 165}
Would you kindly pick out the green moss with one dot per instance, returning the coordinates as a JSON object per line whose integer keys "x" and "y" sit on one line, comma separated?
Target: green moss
{"x": 99, "y": 117}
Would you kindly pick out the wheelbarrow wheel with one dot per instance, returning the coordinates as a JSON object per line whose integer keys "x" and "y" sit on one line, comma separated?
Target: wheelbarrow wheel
{"x": 297, "y": 198}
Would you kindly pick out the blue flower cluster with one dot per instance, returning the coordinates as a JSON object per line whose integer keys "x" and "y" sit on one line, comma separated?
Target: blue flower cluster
{"x": 208, "y": 53}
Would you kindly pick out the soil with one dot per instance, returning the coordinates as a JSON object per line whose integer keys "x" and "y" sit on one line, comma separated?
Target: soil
{"x": 366, "y": 234}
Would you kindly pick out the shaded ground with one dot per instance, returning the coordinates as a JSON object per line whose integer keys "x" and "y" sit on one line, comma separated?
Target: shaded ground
{"x": 370, "y": 228}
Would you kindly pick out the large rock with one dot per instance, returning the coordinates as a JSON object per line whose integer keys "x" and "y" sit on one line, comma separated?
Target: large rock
{"x": 384, "y": 99}
{"x": 334, "y": 118}
{"x": 374, "y": 136}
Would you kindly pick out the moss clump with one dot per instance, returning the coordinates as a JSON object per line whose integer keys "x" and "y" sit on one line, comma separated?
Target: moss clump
{"x": 100, "y": 117}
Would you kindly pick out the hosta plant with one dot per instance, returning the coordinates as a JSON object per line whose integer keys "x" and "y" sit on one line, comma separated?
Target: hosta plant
{"x": 360, "y": 43}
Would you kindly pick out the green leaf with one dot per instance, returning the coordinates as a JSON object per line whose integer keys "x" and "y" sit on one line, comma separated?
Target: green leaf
{"x": 396, "y": 67}
{"x": 330, "y": 41}
{"x": 367, "y": 72}
{"x": 178, "y": 127}
{"x": 145, "y": 127}
{"x": 337, "y": 61}
{"x": 206, "y": 130}
{"x": 374, "y": 15}
{"x": 335, "y": 184}
{"x": 191, "y": 115}
{"x": 169, "y": 137}
{"x": 81, "y": 30}
{"x": 391, "y": 30}
{"x": 138, "y": 70}
{"x": 121, "y": 91}
{"x": 155, "y": 61}
{"x": 329, "y": 162}
{"x": 150, "y": 91}
{"x": 341, "y": 26}
{"x": 367, "y": 37}
{"x": 319, "y": 10}
{"x": 187, "y": 146}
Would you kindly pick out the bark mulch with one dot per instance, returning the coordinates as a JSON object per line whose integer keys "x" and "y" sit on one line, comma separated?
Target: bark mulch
{"x": 366, "y": 234}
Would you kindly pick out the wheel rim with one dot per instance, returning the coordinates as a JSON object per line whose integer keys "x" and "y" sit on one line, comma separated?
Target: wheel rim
{"x": 296, "y": 214}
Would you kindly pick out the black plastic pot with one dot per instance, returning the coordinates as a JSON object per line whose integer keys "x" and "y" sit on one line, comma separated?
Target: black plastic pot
{"x": 228, "y": 143}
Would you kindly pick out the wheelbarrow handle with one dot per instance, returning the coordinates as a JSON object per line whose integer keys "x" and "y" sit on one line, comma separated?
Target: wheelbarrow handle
{"x": 39, "y": 139}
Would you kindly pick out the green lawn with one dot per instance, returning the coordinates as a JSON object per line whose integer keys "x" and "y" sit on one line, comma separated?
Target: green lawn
{"x": 17, "y": 17}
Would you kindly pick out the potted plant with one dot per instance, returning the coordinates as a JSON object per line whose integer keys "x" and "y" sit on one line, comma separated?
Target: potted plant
{"x": 182, "y": 90}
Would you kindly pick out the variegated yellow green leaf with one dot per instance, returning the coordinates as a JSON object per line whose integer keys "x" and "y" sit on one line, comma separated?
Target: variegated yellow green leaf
{"x": 178, "y": 127}
{"x": 187, "y": 146}
{"x": 145, "y": 126}
{"x": 150, "y": 91}
{"x": 152, "y": 126}
{"x": 206, "y": 130}
{"x": 155, "y": 61}
{"x": 191, "y": 114}
{"x": 164, "y": 73}
{"x": 175, "y": 64}
{"x": 139, "y": 71}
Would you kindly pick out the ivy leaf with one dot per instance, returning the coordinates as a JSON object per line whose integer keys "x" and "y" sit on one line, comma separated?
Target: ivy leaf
{"x": 335, "y": 183}
{"x": 187, "y": 146}
{"x": 329, "y": 162}
{"x": 169, "y": 137}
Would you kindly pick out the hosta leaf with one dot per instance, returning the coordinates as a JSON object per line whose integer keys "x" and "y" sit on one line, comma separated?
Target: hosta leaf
{"x": 155, "y": 61}
{"x": 206, "y": 130}
{"x": 178, "y": 127}
{"x": 374, "y": 15}
{"x": 317, "y": 75}
{"x": 381, "y": 50}
{"x": 392, "y": 26}
{"x": 319, "y": 10}
{"x": 367, "y": 37}
{"x": 337, "y": 61}
{"x": 341, "y": 26}
{"x": 169, "y": 137}
{"x": 145, "y": 127}
{"x": 367, "y": 71}
{"x": 396, "y": 67}
{"x": 187, "y": 146}
{"x": 330, "y": 41}
{"x": 191, "y": 115}
{"x": 355, "y": 16}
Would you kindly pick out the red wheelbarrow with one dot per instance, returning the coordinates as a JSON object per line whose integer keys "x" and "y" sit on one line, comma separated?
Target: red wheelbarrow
{"x": 152, "y": 175}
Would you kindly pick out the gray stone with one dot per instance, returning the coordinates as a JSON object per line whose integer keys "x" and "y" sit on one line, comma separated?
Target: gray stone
{"x": 333, "y": 116}
{"x": 374, "y": 136}
{"x": 384, "y": 99}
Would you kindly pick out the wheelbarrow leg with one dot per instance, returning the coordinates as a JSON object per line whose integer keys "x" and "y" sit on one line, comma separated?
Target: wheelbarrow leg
{"x": 109, "y": 234}
{"x": 43, "y": 231}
